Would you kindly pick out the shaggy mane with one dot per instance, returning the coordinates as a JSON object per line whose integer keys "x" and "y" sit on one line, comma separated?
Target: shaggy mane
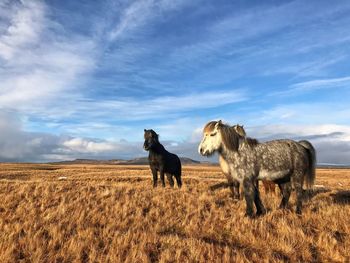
{"x": 251, "y": 141}
{"x": 230, "y": 137}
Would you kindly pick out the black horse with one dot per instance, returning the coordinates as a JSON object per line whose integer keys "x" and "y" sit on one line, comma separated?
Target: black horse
{"x": 161, "y": 160}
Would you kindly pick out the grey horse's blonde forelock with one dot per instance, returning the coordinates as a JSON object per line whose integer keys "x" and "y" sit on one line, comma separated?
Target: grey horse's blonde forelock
{"x": 210, "y": 126}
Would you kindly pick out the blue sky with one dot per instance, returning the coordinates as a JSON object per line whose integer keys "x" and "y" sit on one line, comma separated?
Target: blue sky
{"x": 82, "y": 79}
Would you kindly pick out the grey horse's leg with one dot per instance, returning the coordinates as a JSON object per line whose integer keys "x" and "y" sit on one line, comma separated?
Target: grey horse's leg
{"x": 234, "y": 186}
{"x": 297, "y": 182}
{"x": 235, "y": 190}
{"x": 286, "y": 190}
{"x": 249, "y": 194}
{"x": 260, "y": 209}
{"x": 299, "y": 192}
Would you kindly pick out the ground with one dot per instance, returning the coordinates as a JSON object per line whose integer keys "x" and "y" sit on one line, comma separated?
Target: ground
{"x": 111, "y": 213}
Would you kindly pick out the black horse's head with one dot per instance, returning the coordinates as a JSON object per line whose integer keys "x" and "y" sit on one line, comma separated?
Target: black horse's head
{"x": 151, "y": 139}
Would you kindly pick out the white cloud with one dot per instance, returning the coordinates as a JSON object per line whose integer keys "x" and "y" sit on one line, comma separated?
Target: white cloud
{"x": 141, "y": 13}
{"x": 134, "y": 16}
{"x": 321, "y": 84}
{"x": 332, "y": 142}
{"x": 267, "y": 40}
{"x": 132, "y": 109}
{"x": 301, "y": 114}
{"x": 301, "y": 68}
{"x": 16, "y": 144}
{"x": 24, "y": 29}
{"x": 37, "y": 66}
{"x": 81, "y": 145}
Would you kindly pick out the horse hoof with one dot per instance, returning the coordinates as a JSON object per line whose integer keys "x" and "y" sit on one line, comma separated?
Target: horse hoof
{"x": 262, "y": 213}
{"x": 250, "y": 215}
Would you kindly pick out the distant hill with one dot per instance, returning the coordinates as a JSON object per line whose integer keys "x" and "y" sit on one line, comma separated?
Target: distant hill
{"x": 144, "y": 160}
{"x": 333, "y": 166}
{"x": 136, "y": 161}
{"x": 90, "y": 161}
{"x": 184, "y": 161}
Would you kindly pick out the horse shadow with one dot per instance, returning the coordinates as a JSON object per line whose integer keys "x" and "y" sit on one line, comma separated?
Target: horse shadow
{"x": 308, "y": 194}
{"x": 21, "y": 177}
{"x": 218, "y": 186}
{"x": 341, "y": 197}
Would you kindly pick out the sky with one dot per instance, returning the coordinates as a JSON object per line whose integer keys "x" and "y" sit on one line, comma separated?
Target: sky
{"x": 83, "y": 79}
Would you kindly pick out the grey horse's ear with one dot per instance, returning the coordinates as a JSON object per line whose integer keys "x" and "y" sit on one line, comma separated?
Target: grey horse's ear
{"x": 144, "y": 130}
{"x": 218, "y": 124}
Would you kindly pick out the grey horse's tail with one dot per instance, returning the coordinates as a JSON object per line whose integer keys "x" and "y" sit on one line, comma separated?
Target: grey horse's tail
{"x": 309, "y": 178}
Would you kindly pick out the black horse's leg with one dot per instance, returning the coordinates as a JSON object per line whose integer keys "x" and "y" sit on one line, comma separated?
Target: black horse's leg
{"x": 260, "y": 209}
{"x": 170, "y": 179}
{"x": 155, "y": 176}
{"x": 162, "y": 176}
{"x": 249, "y": 194}
{"x": 286, "y": 189}
{"x": 178, "y": 181}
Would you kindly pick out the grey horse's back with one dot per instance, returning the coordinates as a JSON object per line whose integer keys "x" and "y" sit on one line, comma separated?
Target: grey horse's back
{"x": 309, "y": 179}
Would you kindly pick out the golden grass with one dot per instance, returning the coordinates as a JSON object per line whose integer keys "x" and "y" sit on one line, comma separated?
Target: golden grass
{"x": 111, "y": 213}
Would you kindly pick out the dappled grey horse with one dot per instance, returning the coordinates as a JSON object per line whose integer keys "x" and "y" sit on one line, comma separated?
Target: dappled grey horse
{"x": 286, "y": 162}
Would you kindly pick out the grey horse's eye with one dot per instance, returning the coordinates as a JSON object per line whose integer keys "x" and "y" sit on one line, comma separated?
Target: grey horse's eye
{"x": 213, "y": 134}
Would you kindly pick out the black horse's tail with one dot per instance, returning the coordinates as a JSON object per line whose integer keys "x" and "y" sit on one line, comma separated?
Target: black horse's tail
{"x": 309, "y": 178}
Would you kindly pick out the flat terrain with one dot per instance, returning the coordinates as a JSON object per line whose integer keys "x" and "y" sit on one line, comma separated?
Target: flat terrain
{"x": 110, "y": 213}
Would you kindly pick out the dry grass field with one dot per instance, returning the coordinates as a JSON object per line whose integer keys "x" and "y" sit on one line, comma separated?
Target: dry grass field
{"x": 108, "y": 213}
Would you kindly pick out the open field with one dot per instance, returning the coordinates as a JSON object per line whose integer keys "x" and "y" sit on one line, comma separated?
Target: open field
{"x": 108, "y": 213}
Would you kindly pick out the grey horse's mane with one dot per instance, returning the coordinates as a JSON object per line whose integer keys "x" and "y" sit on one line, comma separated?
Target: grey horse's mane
{"x": 241, "y": 132}
{"x": 230, "y": 137}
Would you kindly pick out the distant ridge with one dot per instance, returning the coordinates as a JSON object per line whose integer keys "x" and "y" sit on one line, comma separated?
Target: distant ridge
{"x": 184, "y": 160}
{"x": 135, "y": 161}
{"x": 333, "y": 166}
